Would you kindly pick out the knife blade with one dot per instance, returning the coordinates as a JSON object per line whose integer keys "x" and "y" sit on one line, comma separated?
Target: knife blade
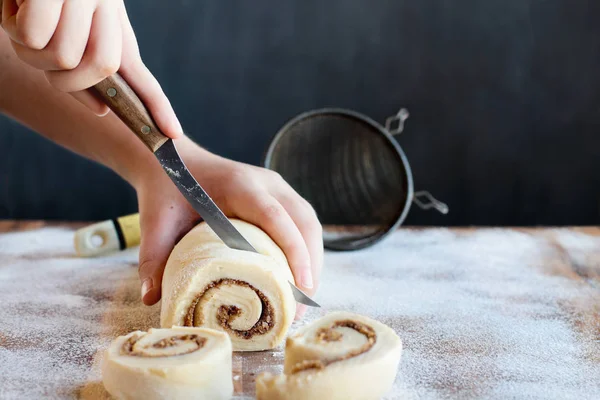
{"x": 124, "y": 102}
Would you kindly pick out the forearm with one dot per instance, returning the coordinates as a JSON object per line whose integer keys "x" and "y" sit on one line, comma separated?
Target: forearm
{"x": 26, "y": 96}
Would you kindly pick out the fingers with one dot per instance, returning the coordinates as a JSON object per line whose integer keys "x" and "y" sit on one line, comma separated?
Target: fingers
{"x": 67, "y": 47}
{"x": 267, "y": 213}
{"x": 300, "y": 311}
{"x": 308, "y": 224}
{"x": 33, "y": 22}
{"x": 73, "y": 31}
{"x": 9, "y": 10}
{"x": 155, "y": 248}
{"x": 102, "y": 56}
{"x": 161, "y": 229}
{"x": 287, "y": 218}
{"x": 80, "y": 43}
{"x": 145, "y": 84}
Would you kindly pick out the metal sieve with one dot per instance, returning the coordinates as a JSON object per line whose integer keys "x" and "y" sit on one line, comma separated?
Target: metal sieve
{"x": 352, "y": 171}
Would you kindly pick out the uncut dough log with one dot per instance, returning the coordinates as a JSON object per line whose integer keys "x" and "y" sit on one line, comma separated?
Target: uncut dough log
{"x": 245, "y": 294}
{"x": 341, "y": 356}
{"x": 177, "y": 363}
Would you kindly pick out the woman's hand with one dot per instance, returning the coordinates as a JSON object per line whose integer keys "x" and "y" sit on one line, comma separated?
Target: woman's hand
{"x": 253, "y": 194}
{"x": 79, "y": 43}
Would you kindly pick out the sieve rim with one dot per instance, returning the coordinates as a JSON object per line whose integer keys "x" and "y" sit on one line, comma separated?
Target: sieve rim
{"x": 344, "y": 245}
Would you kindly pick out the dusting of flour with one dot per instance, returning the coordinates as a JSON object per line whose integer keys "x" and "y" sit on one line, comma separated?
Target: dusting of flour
{"x": 488, "y": 314}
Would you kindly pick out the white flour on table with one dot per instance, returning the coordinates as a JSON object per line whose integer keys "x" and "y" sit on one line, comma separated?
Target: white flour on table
{"x": 491, "y": 314}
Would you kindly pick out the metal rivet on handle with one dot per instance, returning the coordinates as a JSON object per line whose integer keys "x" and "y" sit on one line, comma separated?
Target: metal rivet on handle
{"x": 111, "y": 92}
{"x": 145, "y": 129}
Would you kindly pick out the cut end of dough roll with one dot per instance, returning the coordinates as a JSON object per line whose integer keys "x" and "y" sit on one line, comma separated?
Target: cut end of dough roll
{"x": 245, "y": 294}
{"x": 176, "y": 363}
{"x": 340, "y": 356}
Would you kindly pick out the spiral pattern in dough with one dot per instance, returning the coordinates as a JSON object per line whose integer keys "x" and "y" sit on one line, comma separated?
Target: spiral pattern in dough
{"x": 245, "y": 294}
{"x": 334, "y": 358}
{"x": 331, "y": 334}
{"x": 169, "y": 364}
{"x": 227, "y": 314}
{"x": 170, "y": 346}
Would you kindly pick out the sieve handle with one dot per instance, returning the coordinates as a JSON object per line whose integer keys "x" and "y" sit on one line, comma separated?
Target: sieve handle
{"x": 400, "y": 117}
{"x": 426, "y": 201}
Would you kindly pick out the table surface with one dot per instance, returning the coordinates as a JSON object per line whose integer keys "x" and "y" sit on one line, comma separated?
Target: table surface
{"x": 483, "y": 313}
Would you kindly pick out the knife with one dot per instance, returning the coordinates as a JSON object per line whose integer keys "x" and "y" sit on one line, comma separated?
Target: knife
{"x": 125, "y": 103}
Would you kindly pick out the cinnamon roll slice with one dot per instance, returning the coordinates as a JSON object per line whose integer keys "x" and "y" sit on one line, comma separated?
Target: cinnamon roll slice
{"x": 177, "y": 363}
{"x": 340, "y": 356}
{"x": 245, "y": 294}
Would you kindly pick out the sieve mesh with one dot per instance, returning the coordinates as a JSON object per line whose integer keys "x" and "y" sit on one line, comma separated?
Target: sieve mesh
{"x": 346, "y": 167}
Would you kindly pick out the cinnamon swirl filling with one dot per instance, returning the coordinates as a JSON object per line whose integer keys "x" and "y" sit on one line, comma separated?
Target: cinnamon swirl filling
{"x": 165, "y": 347}
{"x": 227, "y": 313}
{"x": 329, "y": 334}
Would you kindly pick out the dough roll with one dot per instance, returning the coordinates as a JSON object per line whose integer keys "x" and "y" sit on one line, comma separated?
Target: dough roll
{"x": 245, "y": 294}
{"x": 340, "y": 356}
{"x": 177, "y": 363}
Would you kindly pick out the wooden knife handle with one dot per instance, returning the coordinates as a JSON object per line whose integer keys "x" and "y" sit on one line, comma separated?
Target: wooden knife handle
{"x": 126, "y": 104}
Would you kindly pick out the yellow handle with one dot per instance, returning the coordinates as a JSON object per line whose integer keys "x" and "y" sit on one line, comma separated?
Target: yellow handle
{"x": 130, "y": 228}
{"x": 108, "y": 236}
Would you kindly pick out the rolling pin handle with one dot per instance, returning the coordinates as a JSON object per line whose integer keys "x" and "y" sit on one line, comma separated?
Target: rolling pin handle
{"x": 104, "y": 233}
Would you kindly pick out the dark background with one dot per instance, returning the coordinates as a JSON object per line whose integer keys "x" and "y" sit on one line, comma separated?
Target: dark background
{"x": 504, "y": 98}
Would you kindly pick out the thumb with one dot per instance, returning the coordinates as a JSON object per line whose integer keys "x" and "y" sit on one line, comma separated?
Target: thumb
{"x": 158, "y": 239}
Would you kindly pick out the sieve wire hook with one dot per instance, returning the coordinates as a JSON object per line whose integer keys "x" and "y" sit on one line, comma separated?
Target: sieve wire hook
{"x": 400, "y": 117}
{"x": 430, "y": 202}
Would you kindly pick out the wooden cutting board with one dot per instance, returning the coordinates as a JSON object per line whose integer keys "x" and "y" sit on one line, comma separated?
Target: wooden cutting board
{"x": 483, "y": 313}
